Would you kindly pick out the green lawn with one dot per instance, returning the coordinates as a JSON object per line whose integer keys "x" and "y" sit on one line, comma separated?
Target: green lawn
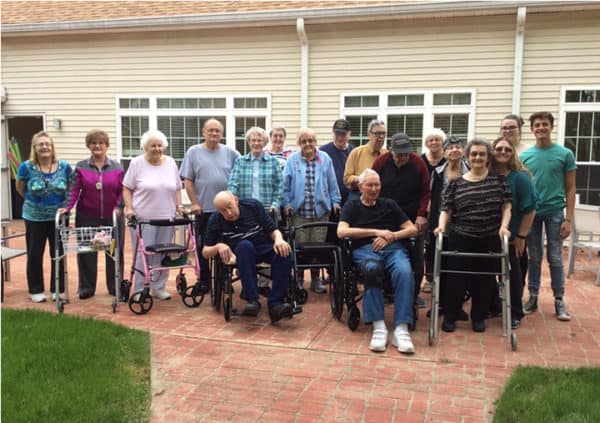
{"x": 58, "y": 368}
{"x": 540, "y": 395}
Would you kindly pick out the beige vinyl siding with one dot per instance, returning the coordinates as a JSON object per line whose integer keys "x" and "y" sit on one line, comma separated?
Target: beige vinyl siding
{"x": 560, "y": 49}
{"x": 396, "y": 55}
{"x": 77, "y": 78}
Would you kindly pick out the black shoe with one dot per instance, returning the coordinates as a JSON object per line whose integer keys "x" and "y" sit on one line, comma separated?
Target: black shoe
{"x": 440, "y": 312}
{"x": 420, "y": 302}
{"x": 531, "y": 305}
{"x": 265, "y": 291}
{"x": 515, "y": 323}
{"x": 463, "y": 316}
{"x": 478, "y": 326}
{"x": 448, "y": 326}
{"x": 251, "y": 309}
{"x": 280, "y": 311}
{"x": 85, "y": 295}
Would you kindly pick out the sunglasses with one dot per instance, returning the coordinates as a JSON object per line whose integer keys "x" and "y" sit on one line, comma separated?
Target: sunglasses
{"x": 503, "y": 150}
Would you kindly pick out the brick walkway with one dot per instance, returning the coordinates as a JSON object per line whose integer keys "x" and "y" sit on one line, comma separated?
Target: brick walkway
{"x": 313, "y": 368}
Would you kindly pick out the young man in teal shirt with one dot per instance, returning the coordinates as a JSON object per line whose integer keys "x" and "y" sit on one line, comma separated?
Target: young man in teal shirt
{"x": 553, "y": 168}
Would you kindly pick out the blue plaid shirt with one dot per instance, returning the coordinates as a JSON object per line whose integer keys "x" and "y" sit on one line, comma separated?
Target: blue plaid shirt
{"x": 270, "y": 180}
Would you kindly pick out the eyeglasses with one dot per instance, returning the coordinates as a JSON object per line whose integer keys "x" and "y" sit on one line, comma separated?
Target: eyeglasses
{"x": 43, "y": 144}
{"x": 508, "y": 128}
{"x": 478, "y": 154}
{"x": 503, "y": 150}
{"x": 307, "y": 141}
{"x": 379, "y": 133}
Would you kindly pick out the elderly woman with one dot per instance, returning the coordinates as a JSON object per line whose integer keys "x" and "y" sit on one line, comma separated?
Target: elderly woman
{"x": 152, "y": 190}
{"x": 97, "y": 188}
{"x": 277, "y": 147}
{"x": 257, "y": 174}
{"x": 524, "y": 198}
{"x": 43, "y": 181}
{"x": 510, "y": 129}
{"x": 475, "y": 215}
{"x": 434, "y": 156}
{"x": 310, "y": 193}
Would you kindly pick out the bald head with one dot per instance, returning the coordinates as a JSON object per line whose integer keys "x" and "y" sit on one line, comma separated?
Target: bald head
{"x": 227, "y": 204}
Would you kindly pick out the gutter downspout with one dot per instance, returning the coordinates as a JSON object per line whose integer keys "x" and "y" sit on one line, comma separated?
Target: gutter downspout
{"x": 303, "y": 72}
{"x": 518, "y": 66}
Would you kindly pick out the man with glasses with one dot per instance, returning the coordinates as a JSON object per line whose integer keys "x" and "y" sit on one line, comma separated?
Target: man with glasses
{"x": 363, "y": 157}
{"x": 205, "y": 171}
{"x": 405, "y": 179}
{"x": 553, "y": 168}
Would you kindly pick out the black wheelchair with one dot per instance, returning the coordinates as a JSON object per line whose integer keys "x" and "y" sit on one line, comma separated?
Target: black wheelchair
{"x": 347, "y": 293}
{"x": 317, "y": 255}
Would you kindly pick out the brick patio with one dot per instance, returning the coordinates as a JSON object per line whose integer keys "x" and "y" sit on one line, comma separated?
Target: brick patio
{"x": 313, "y": 368}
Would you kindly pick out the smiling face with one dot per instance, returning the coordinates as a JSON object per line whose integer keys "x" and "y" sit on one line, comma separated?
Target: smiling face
{"x": 277, "y": 141}
{"x": 341, "y": 138}
{"x": 377, "y": 137}
{"x": 44, "y": 148}
{"x": 98, "y": 149}
{"x": 434, "y": 144}
{"x": 212, "y": 131}
{"x": 154, "y": 149}
{"x": 478, "y": 157}
{"x": 256, "y": 144}
{"x": 503, "y": 153}
{"x": 454, "y": 153}
{"x": 541, "y": 129}
{"x": 308, "y": 146}
{"x": 370, "y": 188}
{"x": 511, "y": 130}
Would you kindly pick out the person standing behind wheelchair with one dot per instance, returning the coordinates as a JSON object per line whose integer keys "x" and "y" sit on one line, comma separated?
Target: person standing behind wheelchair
{"x": 310, "y": 193}
{"x": 152, "y": 190}
{"x": 97, "y": 190}
{"x": 475, "y": 215}
{"x": 376, "y": 225}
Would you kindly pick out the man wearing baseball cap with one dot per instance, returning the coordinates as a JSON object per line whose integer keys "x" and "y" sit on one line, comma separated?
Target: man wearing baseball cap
{"x": 405, "y": 179}
{"x": 338, "y": 150}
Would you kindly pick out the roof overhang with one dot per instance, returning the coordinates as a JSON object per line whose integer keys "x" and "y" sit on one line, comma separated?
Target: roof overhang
{"x": 288, "y": 17}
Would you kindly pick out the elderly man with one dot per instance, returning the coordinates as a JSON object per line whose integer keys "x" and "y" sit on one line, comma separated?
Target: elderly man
{"x": 405, "y": 179}
{"x": 257, "y": 174}
{"x": 338, "y": 150}
{"x": 376, "y": 225}
{"x": 363, "y": 157}
{"x": 310, "y": 193}
{"x": 205, "y": 171}
{"x": 243, "y": 231}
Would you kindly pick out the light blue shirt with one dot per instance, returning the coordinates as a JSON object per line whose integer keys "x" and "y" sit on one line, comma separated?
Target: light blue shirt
{"x": 255, "y": 168}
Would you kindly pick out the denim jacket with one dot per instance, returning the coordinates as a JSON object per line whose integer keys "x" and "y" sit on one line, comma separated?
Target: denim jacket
{"x": 327, "y": 193}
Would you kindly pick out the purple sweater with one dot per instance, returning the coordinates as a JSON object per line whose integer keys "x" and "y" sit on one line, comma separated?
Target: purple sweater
{"x": 97, "y": 192}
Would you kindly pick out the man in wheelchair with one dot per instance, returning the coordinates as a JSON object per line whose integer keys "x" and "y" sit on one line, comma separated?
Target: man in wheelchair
{"x": 242, "y": 231}
{"x": 376, "y": 226}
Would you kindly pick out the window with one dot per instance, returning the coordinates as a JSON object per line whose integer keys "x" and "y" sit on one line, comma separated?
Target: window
{"x": 181, "y": 119}
{"x": 580, "y": 123}
{"x": 412, "y": 112}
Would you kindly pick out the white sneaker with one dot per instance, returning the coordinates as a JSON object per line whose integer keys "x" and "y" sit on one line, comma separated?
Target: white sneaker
{"x": 38, "y": 298}
{"x": 402, "y": 341}
{"x": 161, "y": 294}
{"x": 55, "y": 296}
{"x": 379, "y": 340}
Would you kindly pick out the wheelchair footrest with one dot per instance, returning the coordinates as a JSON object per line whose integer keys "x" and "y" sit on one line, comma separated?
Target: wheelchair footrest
{"x": 166, "y": 248}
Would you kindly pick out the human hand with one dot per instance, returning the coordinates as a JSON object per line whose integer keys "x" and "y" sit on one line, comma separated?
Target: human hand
{"x": 379, "y": 243}
{"x": 129, "y": 212}
{"x": 388, "y": 236}
{"x": 62, "y": 210}
{"x": 439, "y": 230}
{"x": 565, "y": 229}
{"x": 225, "y": 252}
{"x": 503, "y": 231}
{"x": 288, "y": 211}
{"x": 421, "y": 223}
{"x": 196, "y": 209}
{"x": 519, "y": 245}
{"x": 282, "y": 248}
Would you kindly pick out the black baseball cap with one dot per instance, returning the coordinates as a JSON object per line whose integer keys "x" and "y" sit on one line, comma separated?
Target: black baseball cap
{"x": 341, "y": 125}
{"x": 451, "y": 140}
{"x": 400, "y": 143}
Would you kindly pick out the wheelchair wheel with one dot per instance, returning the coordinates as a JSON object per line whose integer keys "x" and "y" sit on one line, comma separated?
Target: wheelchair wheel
{"x": 430, "y": 337}
{"x": 141, "y": 302}
{"x": 513, "y": 341}
{"x": 301, "y": 295}
{"x": 181, "y": 286}
{"x": 227, "y": 306}
{"x": 114, "y": 305}
{"x": 60, "y": 305}
{"x": 353, "y": 318}
{"x": 336, "y": 294}
{"x": 216, "y": 291}
{"x": 193, "y": 295}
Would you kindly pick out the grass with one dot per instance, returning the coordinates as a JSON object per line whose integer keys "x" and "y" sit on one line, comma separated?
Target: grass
{"x": 535, "y": 394}
{"x": 58, "y": 368}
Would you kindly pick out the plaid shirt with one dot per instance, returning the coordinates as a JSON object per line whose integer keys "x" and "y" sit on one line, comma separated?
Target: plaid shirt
{"x": 270, "y": 180}
{"x": 307, "y": 210}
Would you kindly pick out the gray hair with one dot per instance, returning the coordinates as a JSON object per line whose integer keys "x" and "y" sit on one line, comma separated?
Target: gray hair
{"x": 363, "y": 175}
{"x": 375, "y": 122}
{"x": 256, "y": 130}
{"x": 479, "y": 142}
{"x": 435, "y": 132}
{"x": 153, "y": 134}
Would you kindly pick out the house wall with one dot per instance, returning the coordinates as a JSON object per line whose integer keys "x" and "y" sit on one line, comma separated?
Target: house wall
{"x": 76, "y": 78}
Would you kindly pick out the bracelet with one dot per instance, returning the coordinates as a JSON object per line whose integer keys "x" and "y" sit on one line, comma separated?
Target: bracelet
{"x": 521, "y": 236}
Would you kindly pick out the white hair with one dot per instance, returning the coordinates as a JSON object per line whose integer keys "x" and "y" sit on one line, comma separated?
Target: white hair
{"x": 435, "y": 132}
{"x": 153, "y": 134}
{"x": 363, "y": 175}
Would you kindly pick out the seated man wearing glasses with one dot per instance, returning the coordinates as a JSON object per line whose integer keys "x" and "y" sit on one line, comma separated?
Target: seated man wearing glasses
{"x": 242, "y": 230}
{"x": 362, "y": 157}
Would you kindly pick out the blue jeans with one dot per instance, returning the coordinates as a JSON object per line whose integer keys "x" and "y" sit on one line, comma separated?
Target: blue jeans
{"x": 397, "y": 265}
{"x": 248, "y": 255}
{"x": 535, "y": 245}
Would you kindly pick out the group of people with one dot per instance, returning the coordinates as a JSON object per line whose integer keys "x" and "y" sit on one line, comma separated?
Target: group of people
{"x": 474, "y": 194}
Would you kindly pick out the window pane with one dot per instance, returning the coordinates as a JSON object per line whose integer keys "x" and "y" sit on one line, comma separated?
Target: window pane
{"x": 587, "y": 96}
{"x": 360, "y": 126}
{"x": 133, "y": 103}
{"x": 361, "y": 101}
{"x": 397, "y": 100}
{"x": 242, "y": 124}
{"x": 144, "y": 103}
{"x": 219, "y": 103}
{"x": 162, "y": 103}
{"x": 132, "y": 127}
{"x": 191, "y": 103}
{"x": 571, "y": 124}
{"x": 239, "y": 103}
{"x": 415, "y": 100}
{"x": 177, "y": 103}
{"x": 572, "y": 96}
{"x": 124, "y": 103}
{"x": 585, "y": 124}
{"x": 571, "y": 144}
{"x": 453, "y": 124}
{"x": 461, "y": 98}
{"x": 261, "y": 103}
{"x": 352, "y": 101}
{"x": 583, "y": 150}
{"x": 442, "y": 99}
{"x": 371, "y": 101}
{"x": 595, "y": 149}
{"x": 588, "y": 184}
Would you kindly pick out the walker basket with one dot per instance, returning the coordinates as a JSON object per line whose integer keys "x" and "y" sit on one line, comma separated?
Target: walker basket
{"x": 86, "y": 239}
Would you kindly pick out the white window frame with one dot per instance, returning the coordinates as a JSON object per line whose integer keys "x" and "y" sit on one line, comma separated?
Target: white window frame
{"x": 575, "y": 107}
{"x": 428, "y": 109}
{"x": 230, "y": 113}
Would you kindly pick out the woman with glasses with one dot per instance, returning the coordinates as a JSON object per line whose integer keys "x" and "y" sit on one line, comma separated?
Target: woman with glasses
{"x": 506, "y": 162}
{"x": 44, "y": 182}
{"x": 475, "y": 216}
{"x": 510, "y": 129}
